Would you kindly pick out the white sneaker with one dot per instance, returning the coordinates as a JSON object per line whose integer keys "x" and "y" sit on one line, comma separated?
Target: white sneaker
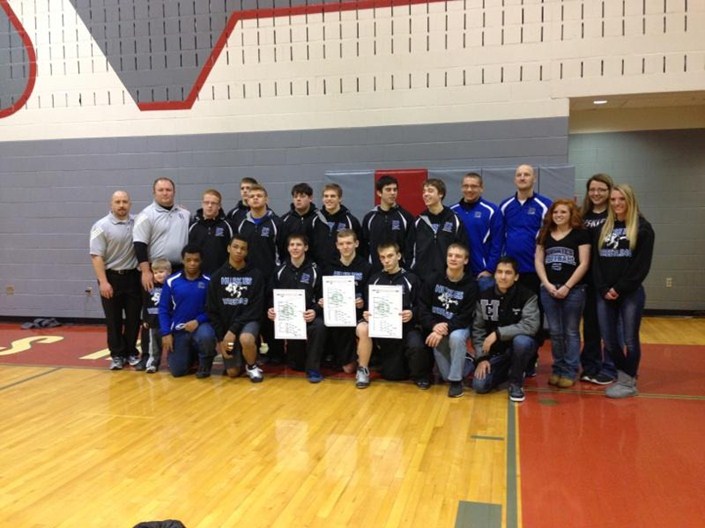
{"x": 133, "y": 360}
{"x": 152, "y": 366}
{"x": 362, "y": 378}
{"x": 255, "y": 374}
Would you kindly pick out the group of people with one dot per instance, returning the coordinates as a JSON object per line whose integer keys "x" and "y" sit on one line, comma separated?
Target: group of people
{"x": 203, "y": 285}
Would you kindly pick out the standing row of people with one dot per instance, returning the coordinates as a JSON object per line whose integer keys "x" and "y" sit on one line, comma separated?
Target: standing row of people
{"x": 160, "y": 235}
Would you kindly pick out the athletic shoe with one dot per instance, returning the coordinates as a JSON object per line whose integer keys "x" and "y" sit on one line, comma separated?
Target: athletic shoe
{"x": 598, "y": 379}
{"x": 152, "y": 366}
{"x": 553, "y": 379}
{"x": 565, "y": 383}
{"x": 204, "y": 371}
{"x": 255, "y": 374}
{"x": 117, "y": 363}
{"x": 314, "y": 376}
{"x": 362, "y": 378}
{"x": 516, "y": 393}
{"x": 141, "y": 366}
{"x": 423, "y": 383}
{"x": 455, "y": 390}
{"x": 133, "y": 360}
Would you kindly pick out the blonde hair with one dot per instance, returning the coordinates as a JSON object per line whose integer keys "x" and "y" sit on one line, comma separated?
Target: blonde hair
{"x": 161, "y": 264}
{"x": 631, "y": 218}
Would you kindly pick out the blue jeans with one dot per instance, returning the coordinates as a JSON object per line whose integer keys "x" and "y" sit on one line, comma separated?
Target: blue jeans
{"x": 507, "y": 366}
{"x": 626, "y": 312}
{"x": 188, "y": 346}
{"x": 563, "y": 316}
{"x": 450, "y": 355}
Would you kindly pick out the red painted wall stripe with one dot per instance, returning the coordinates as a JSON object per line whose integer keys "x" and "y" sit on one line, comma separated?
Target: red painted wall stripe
{"x": 267, "y": 13}
{"x": 31, "y": 57}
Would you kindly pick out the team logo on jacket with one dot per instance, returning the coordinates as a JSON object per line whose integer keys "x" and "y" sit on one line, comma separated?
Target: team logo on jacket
{"x": 616, "y": 244}
{"x": 305, "y": 278}
{"x": 478, "y": 214}
{"x": 531, "y": 211}
{"x": 236, "y": 290}
{"x": 490, "y": 309}
{"x": 219, "y": 232}
{"x": 156, "y": 295}
{"x": 396, "y": 225}
{"x": 265, "y": 232}
{"x": 448, "y": 227}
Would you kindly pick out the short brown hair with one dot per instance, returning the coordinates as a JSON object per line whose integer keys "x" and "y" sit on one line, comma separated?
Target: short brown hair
{"x": 333, "y": 187}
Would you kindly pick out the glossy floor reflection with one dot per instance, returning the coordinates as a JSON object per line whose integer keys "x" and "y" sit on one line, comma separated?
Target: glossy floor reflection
{"x": 90, "y": 447}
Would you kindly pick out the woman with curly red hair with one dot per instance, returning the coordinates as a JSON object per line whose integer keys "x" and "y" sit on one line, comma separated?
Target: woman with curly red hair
{"x": 562, "y": 259}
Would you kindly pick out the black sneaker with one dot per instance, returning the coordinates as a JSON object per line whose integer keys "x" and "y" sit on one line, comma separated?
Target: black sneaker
{"x": 204, "y": 368}
{"x": 423, "y": 383}
{"x": 141, "y": 365}
{"x": 455, "y": 390}
{"x": 203, "y": 373}
{"x": 599, "y": 379}
{"x": 516, "y": 393}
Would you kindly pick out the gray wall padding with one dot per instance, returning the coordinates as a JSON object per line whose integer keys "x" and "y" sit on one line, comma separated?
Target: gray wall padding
{"x": 51, "y": 192}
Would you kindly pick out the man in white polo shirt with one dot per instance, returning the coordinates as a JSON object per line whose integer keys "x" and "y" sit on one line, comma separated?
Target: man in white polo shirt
{"x": 161, "y": 230}
{"x": 115, "y": 266}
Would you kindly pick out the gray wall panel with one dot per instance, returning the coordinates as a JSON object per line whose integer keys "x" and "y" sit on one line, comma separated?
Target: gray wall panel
{"x": 667, "y": 170}
{"x": 51, "y": 192}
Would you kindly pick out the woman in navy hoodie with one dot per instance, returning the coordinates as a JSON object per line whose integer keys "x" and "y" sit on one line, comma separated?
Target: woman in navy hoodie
{"x": 622, "y": 261}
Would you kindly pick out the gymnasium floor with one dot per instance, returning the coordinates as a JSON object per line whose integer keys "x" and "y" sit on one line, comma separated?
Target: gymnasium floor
{"x": 83, "y": 446}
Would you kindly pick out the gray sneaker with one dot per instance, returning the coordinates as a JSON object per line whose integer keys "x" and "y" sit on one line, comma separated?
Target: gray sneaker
{"x": 625, "y": 387}
{"x": 117, "y": 363}
{"x": 362, "y": 378}
{"x": 133, "y": 360}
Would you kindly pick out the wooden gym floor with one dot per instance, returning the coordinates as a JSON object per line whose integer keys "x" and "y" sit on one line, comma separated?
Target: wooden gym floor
{"x": 83, "y": 446}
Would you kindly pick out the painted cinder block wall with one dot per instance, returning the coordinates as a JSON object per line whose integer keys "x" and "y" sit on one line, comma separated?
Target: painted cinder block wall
{"x": 286, "y": 92}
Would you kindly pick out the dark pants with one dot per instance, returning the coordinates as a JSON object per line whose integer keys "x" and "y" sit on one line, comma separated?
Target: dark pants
{"x": 593, "y": 360}
{"x": 508, "y": 366}
{"x": 531, "y": 280}
{"x": 405, "y": 358}
{"x": 122, "y": 313}
{"x": 341, "y": 343}
{"x": 151, "y": 345}
{"x": 305, "y": 355}
{"x": 189, "y": 346}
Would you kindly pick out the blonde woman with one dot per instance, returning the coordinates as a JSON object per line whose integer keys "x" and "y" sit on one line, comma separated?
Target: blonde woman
{"x": 562, "y": 258}
{"x": 621, "y": 263}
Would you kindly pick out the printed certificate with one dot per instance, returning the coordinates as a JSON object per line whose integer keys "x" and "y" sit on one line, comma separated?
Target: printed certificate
{"x": 339, "y": 300}
{"x": 385, "y": 306}
{"x": 289, "y": 305}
